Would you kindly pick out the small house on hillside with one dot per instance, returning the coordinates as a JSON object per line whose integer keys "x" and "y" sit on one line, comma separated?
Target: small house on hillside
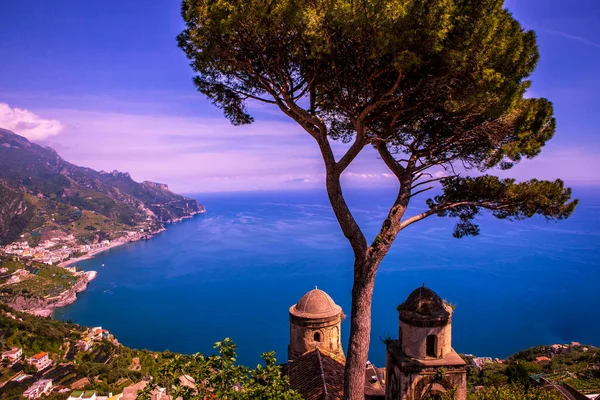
{"x": 13, "y": 355}
{"x": 40, "y": 361}
{"x": 38, "y": 389}
{"x": 479, "y": 362}
{"x": 85, "y": 344}
{"x": 542, "y": 360}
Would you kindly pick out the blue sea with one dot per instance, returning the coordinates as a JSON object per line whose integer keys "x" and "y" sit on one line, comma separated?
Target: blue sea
{"x": 235, "y": 270}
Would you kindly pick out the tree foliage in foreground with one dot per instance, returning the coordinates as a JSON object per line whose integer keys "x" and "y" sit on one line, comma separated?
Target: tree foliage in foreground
{"x": 435, "y": 87}
{"x": 218, "y": 377}
{"x": 514, "y": 392}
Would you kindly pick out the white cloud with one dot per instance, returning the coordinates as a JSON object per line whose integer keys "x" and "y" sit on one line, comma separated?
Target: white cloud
{"x": 383, "y": 175}
{"x": 28, "y": 124}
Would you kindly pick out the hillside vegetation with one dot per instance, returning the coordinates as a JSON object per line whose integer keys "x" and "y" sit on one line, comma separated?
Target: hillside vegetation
{"x": 110, "y": 367}
{"x": 574, "y": 364}
{"x": 38, "y": 282}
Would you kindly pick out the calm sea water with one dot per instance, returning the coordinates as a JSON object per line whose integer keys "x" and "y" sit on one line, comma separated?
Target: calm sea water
{"x": 235, "y": 271}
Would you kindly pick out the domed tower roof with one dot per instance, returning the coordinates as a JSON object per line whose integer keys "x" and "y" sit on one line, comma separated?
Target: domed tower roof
{"x": 423, "y": 304}
{"x": 315, "y": 304}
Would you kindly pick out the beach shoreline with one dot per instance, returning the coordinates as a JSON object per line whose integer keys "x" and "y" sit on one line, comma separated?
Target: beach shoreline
{"x": 91, "y": 254}
{"x": 117, "y": 243}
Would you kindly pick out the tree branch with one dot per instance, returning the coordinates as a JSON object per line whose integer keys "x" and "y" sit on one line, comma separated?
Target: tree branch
{"x": 426, "y": 182}
{"x": 317, "y": 129}
{"x": 390, "y": 161}
{"x": 250, "y": 96}
{"x": 359, "y": 143}
{"x": 420, "y": 191}
{"x": 447, "y": 206}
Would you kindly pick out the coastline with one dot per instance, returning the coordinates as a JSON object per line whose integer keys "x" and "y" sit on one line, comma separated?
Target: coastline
{"x": 90, "y": 254}
{"x": 45, "y": 307}
{"x": 87, "y": 276}
{"x": 114, "y": 244}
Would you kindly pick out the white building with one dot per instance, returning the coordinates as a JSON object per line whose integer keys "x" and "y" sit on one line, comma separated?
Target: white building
{"x": 39, "y": 388}
{"x": 91, "y": 395}
{"x": 13, "y": 355}
{"x": 40, "y": 361}
{"x": 479, "y": 362}
{"x": 85, "y": 344}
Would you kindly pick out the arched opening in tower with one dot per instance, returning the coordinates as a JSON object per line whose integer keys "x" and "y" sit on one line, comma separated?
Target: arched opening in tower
{"x": 431, "y": 350}
{"x": 317, "y": 337}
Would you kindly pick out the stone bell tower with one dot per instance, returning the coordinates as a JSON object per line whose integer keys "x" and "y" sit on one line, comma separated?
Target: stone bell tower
{"x": 422, "y": 364}
{"x": 315, "y": 321}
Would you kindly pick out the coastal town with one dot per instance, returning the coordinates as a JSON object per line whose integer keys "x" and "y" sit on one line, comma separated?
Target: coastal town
{"x": 37, "y": 279}
{"x": 43, "y": 369}
{"x": 86, "y": 213}
{"x": 66, "y": 249}
{"x": 81, "y": 364}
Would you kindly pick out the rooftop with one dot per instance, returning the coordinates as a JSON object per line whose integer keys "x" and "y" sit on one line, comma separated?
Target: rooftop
{"x": 424, "y": 307}
{"x": 317, "y": 376}
{"x": 423, "y": 301}
{"x": 38, "y": 385}
{"x": 315, "y": 304}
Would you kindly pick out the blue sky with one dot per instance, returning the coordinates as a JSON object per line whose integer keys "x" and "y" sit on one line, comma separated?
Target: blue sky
{"x": 104, "y": 83}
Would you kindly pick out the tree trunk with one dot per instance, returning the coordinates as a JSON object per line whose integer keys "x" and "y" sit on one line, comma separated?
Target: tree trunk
{"x": 360, "y": 330}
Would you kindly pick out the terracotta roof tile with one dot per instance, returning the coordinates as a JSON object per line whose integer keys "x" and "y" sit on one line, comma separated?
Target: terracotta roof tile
{"x": 317, "y": 376}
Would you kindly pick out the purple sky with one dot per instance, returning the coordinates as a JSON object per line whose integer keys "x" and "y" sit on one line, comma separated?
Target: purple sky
{"x": 106, "y": 86}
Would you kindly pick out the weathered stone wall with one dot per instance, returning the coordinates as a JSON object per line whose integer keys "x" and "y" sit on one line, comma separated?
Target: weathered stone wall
{"x": 302, "y": 336}
{"x": 414, "y": 339}
{"x": 421, "y": 385}
{"x": 392, "y": 378}
{"x": 429, "y": 383}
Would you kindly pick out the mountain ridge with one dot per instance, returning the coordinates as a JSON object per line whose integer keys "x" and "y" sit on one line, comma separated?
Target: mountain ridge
{"x": 37, "y": 186}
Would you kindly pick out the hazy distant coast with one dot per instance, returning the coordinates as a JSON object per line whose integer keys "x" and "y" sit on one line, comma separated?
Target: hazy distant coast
{"x": 48, "y": 197}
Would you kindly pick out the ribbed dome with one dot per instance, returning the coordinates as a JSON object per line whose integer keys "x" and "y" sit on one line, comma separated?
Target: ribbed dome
{"x": 424, "y": 301}
{"x": 315, "y": 304}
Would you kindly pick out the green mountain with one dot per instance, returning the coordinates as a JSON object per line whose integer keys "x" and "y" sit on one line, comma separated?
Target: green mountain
{"x": 40, "y": 192}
